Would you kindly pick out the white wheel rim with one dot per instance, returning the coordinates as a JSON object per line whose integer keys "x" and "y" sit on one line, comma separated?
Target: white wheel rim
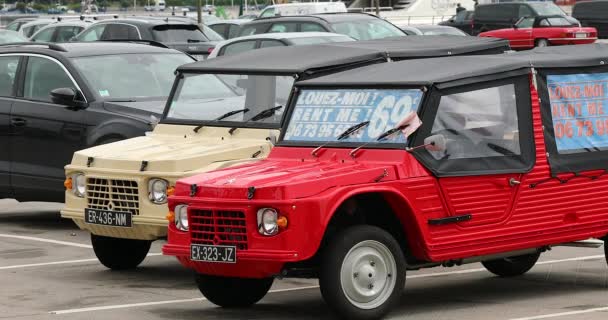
{"x": 368, "y": 274}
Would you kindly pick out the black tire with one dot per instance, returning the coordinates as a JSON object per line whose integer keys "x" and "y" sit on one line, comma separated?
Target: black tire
{"x": 542, "y": 43}
{"x": 513, "y": 266}
{"x": 332, "y": 259}
{"x": 120, "y": 254}
{"x": 233, "y": 292}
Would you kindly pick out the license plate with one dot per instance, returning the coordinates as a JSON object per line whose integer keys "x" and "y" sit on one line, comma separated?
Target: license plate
{"x": 108, "y": 218}
{"x": 209, "y": 253}
{"x": 581, "y": 35}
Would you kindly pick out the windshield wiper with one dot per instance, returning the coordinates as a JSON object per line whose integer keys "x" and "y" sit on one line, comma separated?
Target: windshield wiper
{"x": 347, "y": 133}
{"x": 265, "y": 113}
{"x": 381, "y": 137}
{"x": 222, "y": 117}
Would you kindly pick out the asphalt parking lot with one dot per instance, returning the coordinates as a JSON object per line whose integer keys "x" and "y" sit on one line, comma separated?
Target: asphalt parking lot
{"x": 49, "y": 271}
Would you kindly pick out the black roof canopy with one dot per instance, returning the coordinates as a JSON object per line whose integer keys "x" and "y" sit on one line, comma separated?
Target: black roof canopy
{"x": 586, "y": 55}
{"x": 307, "y": 59}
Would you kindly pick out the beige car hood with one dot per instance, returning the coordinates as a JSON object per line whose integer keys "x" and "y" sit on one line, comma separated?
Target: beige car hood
{"x": 177, "y": 148}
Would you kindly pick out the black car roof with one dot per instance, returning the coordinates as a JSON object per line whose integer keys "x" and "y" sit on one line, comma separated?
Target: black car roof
{"x": 151, "y": 20}
{"x": 298, "y": 59}
{"x": 82, "y": 49}
{"x": 329, "y": 17}
{"x": 464, "y": 68}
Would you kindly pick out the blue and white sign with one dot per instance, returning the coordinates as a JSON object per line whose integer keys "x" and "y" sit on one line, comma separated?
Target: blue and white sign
{"x": 322, "y": 115}
{"x": 577, "y": 109}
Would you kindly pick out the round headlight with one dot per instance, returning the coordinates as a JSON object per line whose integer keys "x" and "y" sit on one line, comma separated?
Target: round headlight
{"x": 157, "y": 190}
{"x": 80, "y": 184}
{"x": 267, "y": 222}
{"x": 181, "y": 217}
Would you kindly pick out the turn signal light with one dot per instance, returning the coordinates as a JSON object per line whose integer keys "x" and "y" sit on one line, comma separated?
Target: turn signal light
{"x": 170, "y": 191}
{"x": 68, "y": 183}
{"x": 282, "y": 222}
{"x": 170, "y": 216}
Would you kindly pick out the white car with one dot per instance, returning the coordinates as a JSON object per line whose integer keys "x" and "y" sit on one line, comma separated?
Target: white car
{"x": 32, "y": 27}
{"x": 60, "y": 31}
{"x": 265, "y": 40}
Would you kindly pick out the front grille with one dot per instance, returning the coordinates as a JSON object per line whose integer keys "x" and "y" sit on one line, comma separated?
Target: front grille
{"x": 212, "y": 227}
{"x": 113, "y": 195}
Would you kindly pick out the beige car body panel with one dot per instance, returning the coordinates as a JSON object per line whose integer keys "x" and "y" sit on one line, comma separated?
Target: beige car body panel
{"x": 172, "y": 152}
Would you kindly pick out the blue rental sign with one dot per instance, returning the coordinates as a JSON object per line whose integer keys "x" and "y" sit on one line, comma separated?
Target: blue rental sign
{"x": 577, "y": 109}
{"x": 322, "y": 115}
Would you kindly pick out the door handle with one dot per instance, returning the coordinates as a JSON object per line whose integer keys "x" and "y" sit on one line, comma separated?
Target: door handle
{"x": 18, "y": 122}
{"x": 514, "y": 182}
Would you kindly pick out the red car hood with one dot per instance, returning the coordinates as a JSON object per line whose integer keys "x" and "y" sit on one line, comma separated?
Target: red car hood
{"x": 292, "y": 173}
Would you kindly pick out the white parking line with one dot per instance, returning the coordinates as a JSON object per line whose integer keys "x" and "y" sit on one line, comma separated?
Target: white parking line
{"x": 65, "y": 243}
{"x": 563, "y": 314}
{"x": 21, "y": 266}
{"x": 417, "y": 276}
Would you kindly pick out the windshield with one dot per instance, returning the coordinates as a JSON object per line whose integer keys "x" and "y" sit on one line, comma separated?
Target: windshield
{"x": 131, "y": 76}
{"x": 319, "y": 40}
{"x": 11, "y": 36}
{"x": 211, "y": 34}
{"x": 178, "y": 33}
{"x": 207, "y": 97}
{"x": 546, "y": 9}
{"x": 367, "y": 29}
{"x": 322, "y": 115}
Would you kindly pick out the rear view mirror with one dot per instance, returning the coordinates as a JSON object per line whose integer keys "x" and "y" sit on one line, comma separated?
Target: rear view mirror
{"x": 435, "y": 143}
{"x": 67, "y": 97}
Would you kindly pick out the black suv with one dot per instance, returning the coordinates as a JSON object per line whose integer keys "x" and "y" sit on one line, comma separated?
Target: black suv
{"x": 57, "y": 99}
{"x": 504, "y": 15}
{"x": 463, "y": 20}
{"x": 359, "y": 26}
{"x": 175, "y": 32}
{"x": 593, "y": 14}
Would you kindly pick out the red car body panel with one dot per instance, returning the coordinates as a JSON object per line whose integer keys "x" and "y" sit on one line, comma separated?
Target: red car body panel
{"x": 309, "y": 190}
{"x": 525, "y": 38}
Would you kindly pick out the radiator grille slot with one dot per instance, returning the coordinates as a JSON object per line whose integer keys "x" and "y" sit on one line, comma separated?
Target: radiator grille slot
{"x": 228, "y": 228}
{"x": 113, "y": 195}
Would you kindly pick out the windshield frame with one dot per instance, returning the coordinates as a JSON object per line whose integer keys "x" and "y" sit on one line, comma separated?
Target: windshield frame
{"x": 226, "y": 124}
{"x": 341, "y": 144}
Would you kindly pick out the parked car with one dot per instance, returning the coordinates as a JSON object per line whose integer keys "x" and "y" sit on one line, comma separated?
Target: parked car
{"x": 17, "y": 23}
{"x": 60, "y": 31}
{"x": 593, "y": 14}
{"x": 358, "y": 26}
{"x": 177, "y": 33}
{"x": 463, "y": 20}
{"x": 8, "y": 36}
{"x": 224, "y": 112}
{"x": 502, "y": 15}
{"x": 431, "y": 30}
{"x": 228, "y": 29}
{"x": 294, "y": 9}
{"x": 544, "y": 31}
{"x": 358, "y": 196}
{"x": 72, "y": 96}
{"x": 28, "y": 29}
{"x": 242, "y": 44}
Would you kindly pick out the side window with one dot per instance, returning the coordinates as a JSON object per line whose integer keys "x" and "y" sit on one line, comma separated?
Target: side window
{"x": 544, "y": 23}
{"x": 64, "y": 34}
{"x": 93, "y": 33}
{"x": 460, "y": 16}
{"x": 238, "y": 47}
{"x": 13, "y": 26}
{"x": 271, "y": 43}
{"x": 119, "y": 31}
{"x": 267, "y": 13}
{"x": 253, "y": 29}
{"x": 8, "y": 70}
{"x": 284, "y": 27}
{"x": 42, "y": 76}
{"x": 233, "y": 32}
{"x": 28, "y": 31}
{"x": 524, "y": 11}
{"x": 45, "y": 35}
{"x": 484, "y": 128}
{"x": 311, "y": 27}
{"x": 221, "y": 28}
{"x": 507, "y": 12}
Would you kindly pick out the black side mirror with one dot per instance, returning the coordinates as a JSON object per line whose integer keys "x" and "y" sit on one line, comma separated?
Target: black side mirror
{"x": 67, "y": 97}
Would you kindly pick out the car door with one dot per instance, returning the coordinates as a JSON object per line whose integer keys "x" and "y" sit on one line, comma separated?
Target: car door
{"x": 8, "y": 72}
{"x": 521, "y": 37}
{"x": 44, "y": 135}
{"x": 488, "y": 149}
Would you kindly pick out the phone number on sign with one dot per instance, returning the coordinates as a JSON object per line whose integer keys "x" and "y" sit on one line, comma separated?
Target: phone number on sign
{"x": 580, "y": 128}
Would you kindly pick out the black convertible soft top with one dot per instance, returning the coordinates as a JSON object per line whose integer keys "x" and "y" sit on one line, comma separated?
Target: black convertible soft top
{"x": 311, "y": 58}
{"x": 463, "y": 69}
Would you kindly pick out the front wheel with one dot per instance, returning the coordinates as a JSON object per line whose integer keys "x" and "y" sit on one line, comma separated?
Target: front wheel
{"x": 512, "y": 266}
{"x": 542, "y": 43}
{"x": 362, "y": 273}
{"x": 120, "y": 254}
{"x": 233, "y": 292}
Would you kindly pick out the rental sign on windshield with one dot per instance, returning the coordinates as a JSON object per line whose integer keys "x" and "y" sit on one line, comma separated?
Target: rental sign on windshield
{"x": 322, "y": 115}
{"x": 578, "y": 109}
